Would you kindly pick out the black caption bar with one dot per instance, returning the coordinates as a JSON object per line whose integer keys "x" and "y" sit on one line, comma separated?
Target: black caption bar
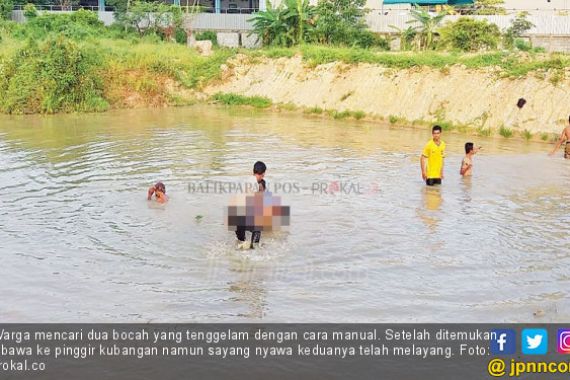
{"x": 252, "y": 351}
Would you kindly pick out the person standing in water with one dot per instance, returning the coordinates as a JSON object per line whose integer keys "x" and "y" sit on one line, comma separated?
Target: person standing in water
{"x": 431, "y": 161}
{"x": 467, "y": 163}
{"x": 565, "y": 136}
{"x": 259, "y": 169}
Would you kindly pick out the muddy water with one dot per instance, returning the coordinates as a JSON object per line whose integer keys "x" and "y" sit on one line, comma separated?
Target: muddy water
{"x": 368, "y": 242}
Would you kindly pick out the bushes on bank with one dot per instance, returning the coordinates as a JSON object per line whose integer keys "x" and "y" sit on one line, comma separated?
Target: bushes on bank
{"x": 208, "y": 35}
{"x": 470, "y": 35}
{"x": 6, "y": 8}
{"x": 331, "y": 22}
{"x": 77, "y": 25}
{"x": 30, "y": 11}
{"x": 53, "y": 76}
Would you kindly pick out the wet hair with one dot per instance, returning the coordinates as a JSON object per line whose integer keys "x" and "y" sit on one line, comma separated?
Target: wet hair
{"x": 436, "y": 128}
{"x": 160, "y": 187}
{"x": 259, "y": 168}
{"x": 468, "y": 147}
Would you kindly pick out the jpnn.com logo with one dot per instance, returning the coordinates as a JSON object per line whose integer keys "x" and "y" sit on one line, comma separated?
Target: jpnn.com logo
{"x": 503, "y": 342}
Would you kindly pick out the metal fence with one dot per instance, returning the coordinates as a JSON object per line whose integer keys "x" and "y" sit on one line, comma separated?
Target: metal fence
{"x": 379, "y": 20}
{"x": 64, "y": 8}
{"x": 543, "y": 24}
{"x": 220, "y": 22}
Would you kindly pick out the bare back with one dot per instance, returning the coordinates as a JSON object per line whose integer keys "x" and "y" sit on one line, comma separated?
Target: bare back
{"x": 566, "y": 133}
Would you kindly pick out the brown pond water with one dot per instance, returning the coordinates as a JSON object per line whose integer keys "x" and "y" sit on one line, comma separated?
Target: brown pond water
{"x": 79, "y": 241}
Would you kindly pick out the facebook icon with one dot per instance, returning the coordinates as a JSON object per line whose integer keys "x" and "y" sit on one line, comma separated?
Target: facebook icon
{"x": 503, "y": 342}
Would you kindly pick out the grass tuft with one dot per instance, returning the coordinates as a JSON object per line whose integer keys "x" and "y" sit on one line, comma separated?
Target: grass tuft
{"x": 240, "y": 100}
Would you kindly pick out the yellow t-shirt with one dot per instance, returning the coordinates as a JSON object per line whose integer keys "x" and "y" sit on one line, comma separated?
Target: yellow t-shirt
{"x": 435, "y": 155}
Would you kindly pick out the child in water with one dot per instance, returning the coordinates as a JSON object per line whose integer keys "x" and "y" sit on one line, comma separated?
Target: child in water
{"x": 259, "y": 169}
{"x": 159, "y": 191}
{"x": 467, "y": 163}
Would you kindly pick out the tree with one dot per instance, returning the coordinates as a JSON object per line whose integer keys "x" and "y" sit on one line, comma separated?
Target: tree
{"x": 407, "y": 36}
{"x": 427, "y": 27}
{"x": 6, "y": 8}
{"x": 341, "y": 22}
{"x": 519, "y": 26}
{"x": 489, "y": 7}
{"x": 289, "y": 24}
{"x": 467, "y": 34}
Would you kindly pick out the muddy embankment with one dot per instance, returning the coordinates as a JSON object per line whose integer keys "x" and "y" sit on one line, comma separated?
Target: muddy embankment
{"x": 475, "y": 99}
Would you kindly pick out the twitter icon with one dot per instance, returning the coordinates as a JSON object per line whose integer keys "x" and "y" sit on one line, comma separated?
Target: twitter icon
{"x": 534, "y": 341}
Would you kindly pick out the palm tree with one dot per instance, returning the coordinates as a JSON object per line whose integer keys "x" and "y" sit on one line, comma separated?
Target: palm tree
{"x": 286, "y": 25}
{"x": 428, "y": 25}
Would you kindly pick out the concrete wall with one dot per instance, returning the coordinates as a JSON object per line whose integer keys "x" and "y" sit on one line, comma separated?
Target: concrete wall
{"x": 229, "y": 39}
{"x": 552, "y": 43}
{"x": 107, "y": 17}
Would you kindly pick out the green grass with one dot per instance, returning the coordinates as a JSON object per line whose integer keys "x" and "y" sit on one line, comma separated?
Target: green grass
{"x": 544, "y": 136}
{"x": 446, "y": 125}
{"x": 512, "y": 64}
{"x": 358, "y": 114}
{"x": 288, "y": 106}
{"x": 556, "y": 77}
{"x": 527, "y": 134}
{"x": 485, "y": 132}
{"x": 393, "y": 119}
{"x": 314, "y": 110}
{"x": 240, "y": 100}
{"x": 340, "y": 115}
{"x": 505, "y": 132}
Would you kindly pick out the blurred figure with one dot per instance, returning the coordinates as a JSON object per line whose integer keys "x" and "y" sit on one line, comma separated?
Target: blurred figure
{"x": 159, "y": 192}
{"x": 565, "y": 136}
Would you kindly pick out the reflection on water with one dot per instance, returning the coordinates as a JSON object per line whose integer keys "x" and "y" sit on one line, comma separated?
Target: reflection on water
{"x": 76, "y": 227}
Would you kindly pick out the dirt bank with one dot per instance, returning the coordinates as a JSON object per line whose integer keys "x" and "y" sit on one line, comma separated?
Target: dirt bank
{"x": 470, "y": 98}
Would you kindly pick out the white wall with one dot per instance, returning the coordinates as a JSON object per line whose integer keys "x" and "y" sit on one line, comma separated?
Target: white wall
{"x": 509, "y": 4}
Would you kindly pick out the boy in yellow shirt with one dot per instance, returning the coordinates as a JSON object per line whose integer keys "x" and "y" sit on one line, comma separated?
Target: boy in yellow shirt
{"x": 431, "y": 161}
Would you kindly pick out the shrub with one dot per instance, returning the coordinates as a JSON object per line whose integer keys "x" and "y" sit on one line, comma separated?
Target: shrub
{"x": 358, "y": 114}
{"x": 56, "y": 76}
{"x": 30, "y": 11}
{"x": 240, "y": 100}
{"x": 342, "y": 22}
{"x": 519, "y": 26}
{"x": 393, "y": 119}
{"x": 316, "y": 110}
{"x": 77, "y": 25}
{"x": 505, "y": 132}
{"x": 208, "y": 35}
{"x": 467, "y": 34}
{"x": 523, "y": 45}
{"x": 6, "y": 8}
{"x": 527, "y": 134}
{"x": 482, "y": 131}
{"x": 180, "y": 36}
{"x": 340, "y": 115}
